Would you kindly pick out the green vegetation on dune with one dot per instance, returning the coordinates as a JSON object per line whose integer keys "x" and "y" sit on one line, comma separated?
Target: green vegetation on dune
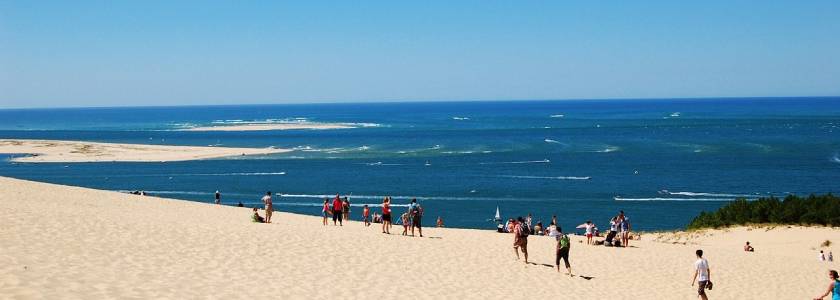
{"x": 813, "y": 210}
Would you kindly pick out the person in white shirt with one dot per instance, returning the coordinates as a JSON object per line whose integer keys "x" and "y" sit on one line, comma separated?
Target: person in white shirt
{"x": 701, "y": 270}
{"x": 269, "y": 206}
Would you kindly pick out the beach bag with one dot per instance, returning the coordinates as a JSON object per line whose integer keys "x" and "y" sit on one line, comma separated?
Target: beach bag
{"x": 564, "y": 241}
{"x": 523, "y": 230}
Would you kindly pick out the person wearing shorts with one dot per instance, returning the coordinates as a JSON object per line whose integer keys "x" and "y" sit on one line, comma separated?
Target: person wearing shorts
{"x": 416, "y": 217}
{"x": 366, "y": 215}
{"x": 702, "y": 274}
{"x": 520, "y": 239}
{"x": 563, "y": 246}
{"x": 325, "y": 210}
{"x": 269, "y": 206}
{"x": 386, "y": 215}
{"x": 338, "y": 210}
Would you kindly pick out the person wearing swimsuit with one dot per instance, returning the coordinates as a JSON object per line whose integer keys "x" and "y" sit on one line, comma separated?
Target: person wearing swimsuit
{"x": 325, "y": 210}
{"x": 386, "y": 215}
{"x": 833, "y": 287}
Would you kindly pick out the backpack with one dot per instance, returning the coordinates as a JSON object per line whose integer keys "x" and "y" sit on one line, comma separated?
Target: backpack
{"x": 564, "y": 241}
{"x": 523, "y": 230}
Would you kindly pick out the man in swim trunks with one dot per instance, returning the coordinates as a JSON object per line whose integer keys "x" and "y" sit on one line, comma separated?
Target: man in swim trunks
{"x": 269, "y": 206}
{"x": 520, "y": 239}
{"x": 338, "y": 210}
{"x": 416, "y": 216}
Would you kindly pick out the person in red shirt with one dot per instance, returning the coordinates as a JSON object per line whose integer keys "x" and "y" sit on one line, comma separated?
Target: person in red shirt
{"x": 366, "y": 215}
{"x": 338, "y": 210}
{"x": 386, "y": 215}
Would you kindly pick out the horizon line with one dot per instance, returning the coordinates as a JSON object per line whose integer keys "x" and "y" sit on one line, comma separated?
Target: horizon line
{"x": 328, "y": 102}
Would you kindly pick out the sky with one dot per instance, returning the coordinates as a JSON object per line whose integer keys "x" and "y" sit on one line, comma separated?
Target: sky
{"x": 139, "y": 53}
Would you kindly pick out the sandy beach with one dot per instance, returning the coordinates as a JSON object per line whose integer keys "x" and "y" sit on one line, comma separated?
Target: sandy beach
{"x": 76, "y": 151}
{"x": 78, "y": 243}
{"x": 272, "y": 126}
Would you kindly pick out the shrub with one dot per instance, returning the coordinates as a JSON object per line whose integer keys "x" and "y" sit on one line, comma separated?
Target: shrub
{"x": 813, "y": 210}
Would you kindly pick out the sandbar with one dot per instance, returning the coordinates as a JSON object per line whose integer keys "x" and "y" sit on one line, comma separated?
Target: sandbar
{"x": 43, "y": 151}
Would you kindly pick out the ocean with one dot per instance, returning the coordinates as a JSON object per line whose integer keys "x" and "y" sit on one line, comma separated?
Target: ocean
{"x": 661, "y": 161}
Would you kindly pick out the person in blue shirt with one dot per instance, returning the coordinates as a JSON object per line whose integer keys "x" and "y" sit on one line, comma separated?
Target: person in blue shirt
{"x": 833, "y": 287}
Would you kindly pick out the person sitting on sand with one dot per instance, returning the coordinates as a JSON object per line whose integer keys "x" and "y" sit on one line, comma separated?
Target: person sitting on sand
{"x": 240, "y": 204}
{"x": 256, "y": 217}
{"x": 748, "y": 248}
{"x": 833, "y": 287}
{"x": 269, "y": 206}
{"x": 511, "y": 225}
{"x": 563, "y": 245}
{"x": 325, "y": 210}
{"x": 538, "y": 228}
{"x": 439, "y": 222}
{"x": 366, "y": 215}
{"x": 520, "y": 238}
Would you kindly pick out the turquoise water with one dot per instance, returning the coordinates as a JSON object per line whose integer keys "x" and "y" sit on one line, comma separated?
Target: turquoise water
{"x": 662, "y": 161}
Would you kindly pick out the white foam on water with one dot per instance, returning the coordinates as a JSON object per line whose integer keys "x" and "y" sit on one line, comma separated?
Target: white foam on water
{"x": 609, "y": 149}
{"x": 695, "y": 194}
{"x": 552, "y": 141}
{"x": 544, "y": 161}
{"x": 673, "y": 199}
{"x": 557, "y": 116}
{"x": 548, "y": 177}
{"x": 836, "y": 158}
{"x": 460, "y": 118}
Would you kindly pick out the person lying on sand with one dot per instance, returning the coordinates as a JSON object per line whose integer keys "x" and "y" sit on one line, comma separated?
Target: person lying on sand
{"x": 256, "y": 218}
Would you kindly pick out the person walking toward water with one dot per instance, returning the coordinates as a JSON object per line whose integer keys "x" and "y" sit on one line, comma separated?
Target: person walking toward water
{"x": 218, "y": 197}
{"x": 386, "y": 215}
{"x": 269, "y": 206}
{"x": 520, "y": 238}
{"x": 325, "y": 210}
{"x": 833, "y": 287}
{"x": 416, "y": 217}
{"x": 701, "y": 270}
{"x": 338, "y": 210}
{"x": 563, "y": 245}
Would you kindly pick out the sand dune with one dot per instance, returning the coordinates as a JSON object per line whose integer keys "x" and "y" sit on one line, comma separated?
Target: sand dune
{"x": 61, "y": 242}
{"x": 76, "y": 151}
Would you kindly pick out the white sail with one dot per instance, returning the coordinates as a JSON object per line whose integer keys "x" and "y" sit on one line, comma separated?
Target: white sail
{"x": 498, "y": 217}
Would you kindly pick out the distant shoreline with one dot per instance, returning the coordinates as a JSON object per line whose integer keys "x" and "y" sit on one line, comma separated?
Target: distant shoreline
{"x": 273, "y": 126}
{"x": 55, "y": 151}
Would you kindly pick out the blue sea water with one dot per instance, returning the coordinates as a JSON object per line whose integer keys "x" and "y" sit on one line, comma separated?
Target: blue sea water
{"x": 661, "y": 161}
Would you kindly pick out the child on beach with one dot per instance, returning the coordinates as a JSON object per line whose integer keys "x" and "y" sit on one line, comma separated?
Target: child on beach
{"x": 405, "y": 222}
{"x": 256, "y": 217}
{"x": 366, "y": 215}
{"x": 325, "y": 210}
{"x": 589, "y": 231}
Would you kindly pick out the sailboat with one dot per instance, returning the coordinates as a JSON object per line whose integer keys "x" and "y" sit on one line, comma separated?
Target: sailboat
{"x": 498, "y": 218}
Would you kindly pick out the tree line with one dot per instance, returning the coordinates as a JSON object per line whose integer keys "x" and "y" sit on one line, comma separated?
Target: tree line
{"x": 811, "y": 210}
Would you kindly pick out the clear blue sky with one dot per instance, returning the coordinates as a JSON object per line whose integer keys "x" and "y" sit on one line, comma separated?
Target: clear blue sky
{"x": 115, "y": 53}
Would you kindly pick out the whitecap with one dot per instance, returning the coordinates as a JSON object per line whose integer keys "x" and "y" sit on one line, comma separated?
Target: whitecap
{"x": 557, "y": 116}
{"x": 548, "y": 177}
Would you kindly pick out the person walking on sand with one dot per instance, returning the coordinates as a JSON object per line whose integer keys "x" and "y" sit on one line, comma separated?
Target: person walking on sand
{"x": 833, "y": 287}
{"x": 520, "y": 238}
{"x": 338, "y": 211}
{"x": 269, "y": 206}
{"x": 563, "y": 245}
{"x": 416, "y": 217}
{"x": 701, "y": 270}
{"x": 218, "y": 197}
{"x": 590, "y": 228}
{"x": 366, "y": 215}
{"x": 325, "y": 210}
{"x": 830, "y": 256}
{"x": 386, "y": 215}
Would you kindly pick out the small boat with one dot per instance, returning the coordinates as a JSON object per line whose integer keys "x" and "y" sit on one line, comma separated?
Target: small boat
{"x": 498, "y": 217}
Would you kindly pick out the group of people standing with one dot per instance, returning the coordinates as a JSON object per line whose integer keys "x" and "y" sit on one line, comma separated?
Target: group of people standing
{"x": 340, "y": 210}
